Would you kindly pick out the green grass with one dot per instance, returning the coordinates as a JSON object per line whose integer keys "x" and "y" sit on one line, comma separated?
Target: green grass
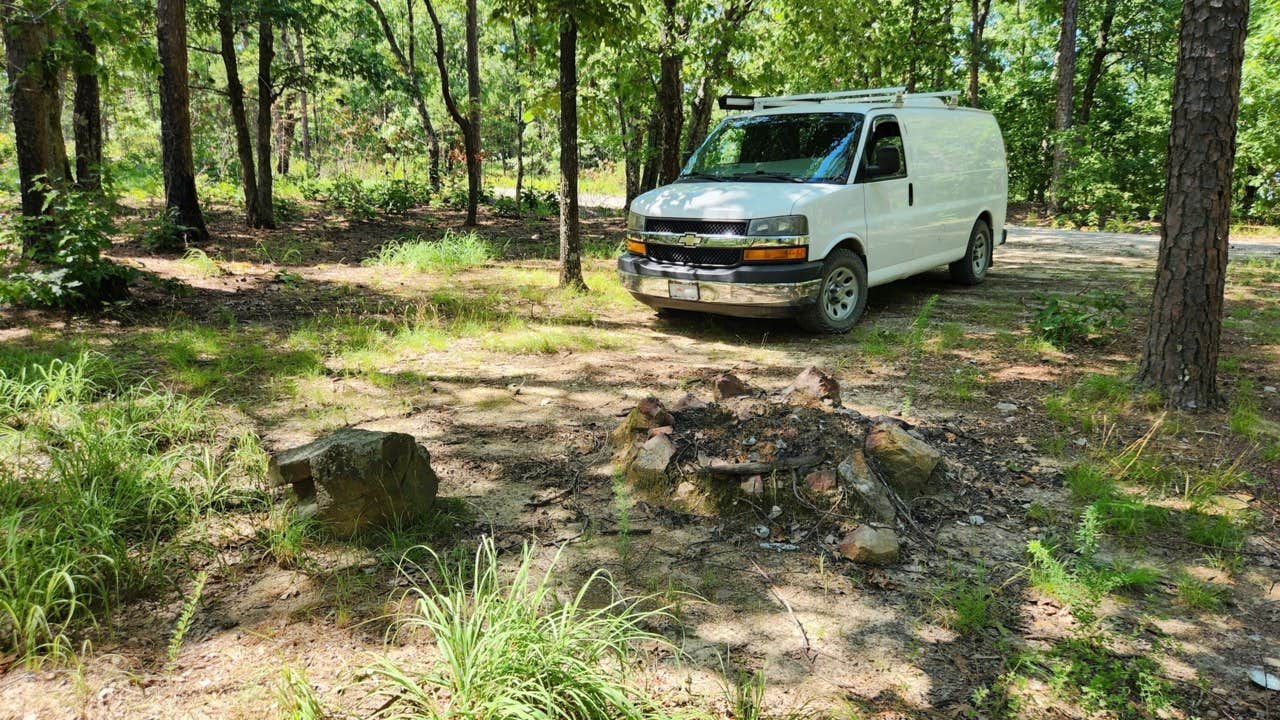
{"x": 1106, "y": 683}
{"x": 519, "y": 339}
{"x": 297, "y": 698}
{"x": 197, "y": 262}
{"x": 967, "y": 605}
{"x": 1097, "y": 400}
{"x": 509, "y": 647}
{"x": 98, "y": 478}
{"x": 1197, "y": 594}
{"x": 451, "y": 253}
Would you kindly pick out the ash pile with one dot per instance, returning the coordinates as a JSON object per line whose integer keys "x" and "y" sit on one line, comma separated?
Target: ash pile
{"x": 794, "y": 468}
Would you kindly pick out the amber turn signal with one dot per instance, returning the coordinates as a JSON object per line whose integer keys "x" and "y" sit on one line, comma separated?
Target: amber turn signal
{"x": 776, "y": 253}
{"x": 635, "y": 246}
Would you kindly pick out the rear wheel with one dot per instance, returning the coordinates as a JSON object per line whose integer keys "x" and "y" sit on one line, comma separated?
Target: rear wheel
{"x": 842, "y": 296}
{"x": 972, "y": 268}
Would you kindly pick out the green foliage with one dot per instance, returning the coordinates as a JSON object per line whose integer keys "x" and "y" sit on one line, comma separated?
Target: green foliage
{"x": 183, "y": 625}
{"x": 509, "y": 647}
{"x": 164, "y": 232}
{"x": 1200, "y": 595}
{"x": 365, "y": 200}
{"x": 454, "y": 251}
{"x": 98, "y": 477}
{"x": 968, "y": 605}
{"x": 297, "y": 698}
{"x": 1126, "y": 687}
{"x": 62, "y": 263}
{"x": 1067, "y": 321}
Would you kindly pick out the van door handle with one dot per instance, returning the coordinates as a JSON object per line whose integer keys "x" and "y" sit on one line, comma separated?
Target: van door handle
{"x": 911, "y": 194}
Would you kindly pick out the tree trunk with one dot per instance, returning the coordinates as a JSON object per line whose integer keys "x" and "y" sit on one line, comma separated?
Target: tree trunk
{"x": 979, "y": 11}
{"x": 570, "y": 232}
{"x": 35, "y": 104}
{"x": 266, "y": 100}
{"x": 632, "y": 146}
{"x": 410, "y": 68}
{"x": 175, "y": 121}
{"x": 287, "y": 116}
{"x": 1097, "y": 61}
{"x": 519, "y": 93}
{"x": 87, "y": 115}
{"x": 913, "y": 61}
{"x": 700, "y": 109}
{"x": 670, "y": 105}
{"x": 468, "y": 124}
{"x": 1065, "y": 69}
{"x": 1180, "y": 358}
{"x": 302, "y": 104}
{"x": 239, "y": 120}
{"x": 649, "y": 173}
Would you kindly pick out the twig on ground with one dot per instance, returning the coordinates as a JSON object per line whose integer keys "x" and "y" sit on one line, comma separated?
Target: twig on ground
{"x": 809, "y": 653}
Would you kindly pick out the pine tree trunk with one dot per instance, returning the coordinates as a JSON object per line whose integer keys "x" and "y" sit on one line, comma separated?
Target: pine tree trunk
{"x": 266, "y": 99}
{"x": 303, "y": 101}
{"x": 87, "y": 115}
{"x": 239, "y": 120}
{"x": 1065, "y": 69}
{"x": 670, "y": 104}
{"x": 1184, "y": 328}
{"x": 518, "y": 51}
{"x": 175, "y": 120}
{"x": 570, "y": 232}
{"x": 36, "y": 106}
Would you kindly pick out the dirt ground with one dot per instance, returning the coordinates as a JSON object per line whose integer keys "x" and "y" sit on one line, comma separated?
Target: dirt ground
{"x": 518, "y": 439}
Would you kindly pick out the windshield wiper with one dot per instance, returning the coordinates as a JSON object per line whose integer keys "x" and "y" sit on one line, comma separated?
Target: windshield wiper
{"x": 768, "y": 175}
{"x": 701, "y": 176}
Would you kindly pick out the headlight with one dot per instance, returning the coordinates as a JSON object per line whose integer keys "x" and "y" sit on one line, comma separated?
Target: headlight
{"x": 635, "y": 221}
{"x": 778, "y": 226}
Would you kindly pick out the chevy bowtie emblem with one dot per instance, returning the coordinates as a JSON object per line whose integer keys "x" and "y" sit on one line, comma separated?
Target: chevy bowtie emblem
{"x": 690, "y": 239}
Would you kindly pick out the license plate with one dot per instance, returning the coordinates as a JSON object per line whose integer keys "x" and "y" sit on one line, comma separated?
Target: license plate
{"x": 682, "y": 289}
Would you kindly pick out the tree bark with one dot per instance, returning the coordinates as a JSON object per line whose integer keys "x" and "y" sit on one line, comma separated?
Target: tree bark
{"x": 979, "y": 11}
{"x": 1065, "y": 69}
{"x": 670, "y": 106}
{"x": 650, "y": 168}
{"x": 266, "y": 99}
{"x": 570, "y": 232}
{"x": 410, "y": 68}
{"x": 239, "y": 120}
{"x": 913, "y": 61}
{"x": 87, "y": 115}
{"x": 1101, "y": 48}
{"x": 35, "y": 106}
{"x": 632, "y": 146}
{"x": 468, "y": 124}
{"x": 519, "y": 93}
{"x": 175, "y": 121}
{"x": 303, "y": 100}
{"x": 1184, "y": 328}
{"x": 287, "y": 117}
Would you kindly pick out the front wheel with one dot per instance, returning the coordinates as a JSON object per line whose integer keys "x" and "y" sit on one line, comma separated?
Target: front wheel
{"x": 842, "y": 296}
{"x": 972, "y": 268}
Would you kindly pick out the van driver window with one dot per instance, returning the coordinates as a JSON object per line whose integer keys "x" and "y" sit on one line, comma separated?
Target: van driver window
{"x": 884, "y": 134}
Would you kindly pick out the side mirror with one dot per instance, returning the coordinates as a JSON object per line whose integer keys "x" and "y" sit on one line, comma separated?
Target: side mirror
{"x": 887, "y": 161}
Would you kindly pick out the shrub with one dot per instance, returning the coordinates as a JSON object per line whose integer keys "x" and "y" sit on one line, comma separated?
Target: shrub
{"x": 1065, "y": 321}
{"x": 510, "y": 649}
{"x": 65, "y": 266}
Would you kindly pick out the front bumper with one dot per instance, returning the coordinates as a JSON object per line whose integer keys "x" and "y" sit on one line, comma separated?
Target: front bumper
{"x": 775, "y": 290}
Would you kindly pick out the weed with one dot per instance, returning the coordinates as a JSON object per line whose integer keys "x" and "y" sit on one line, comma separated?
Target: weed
{"x": 1200, "y": 595}
{"x": 1218, "y": 532}
{"x": 198, "y": 263}
{"x": 915, "y": 346}
{"x": 1245, "y": 417}
{"x": 745, "y": 694}
{"x": 1089, "y": 482}
{"x": 297, "y": 698}
{"x": 287, "y": 537}
{"x": 1065, "y": 321}
{"x": 451, "y": 253}
{"x": 185, "y": 617}
{"x": 101, "y": 477}
{"x": 519, "y": 340}
{"x": 508, "y": 648}
{"x": 1123, "y": 687}
{"x": 968, "y": 605}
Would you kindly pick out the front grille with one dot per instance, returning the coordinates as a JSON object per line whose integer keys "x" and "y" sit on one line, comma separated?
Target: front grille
{"x": 698, "y": 227}
{"x": 678, "y": 255}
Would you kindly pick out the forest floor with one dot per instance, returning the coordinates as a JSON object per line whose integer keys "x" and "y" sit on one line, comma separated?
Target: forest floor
{"x": 513, "y": 385}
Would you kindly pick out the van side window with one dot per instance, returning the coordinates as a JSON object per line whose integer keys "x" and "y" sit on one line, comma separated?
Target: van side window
{"x": 884, "y": 157}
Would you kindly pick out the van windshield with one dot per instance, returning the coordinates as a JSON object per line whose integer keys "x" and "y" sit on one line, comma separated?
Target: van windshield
{"x": 790, "y": 147}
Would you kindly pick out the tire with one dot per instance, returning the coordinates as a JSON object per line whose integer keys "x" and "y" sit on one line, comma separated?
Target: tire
{"x": 842, "y": 296}
{"x": 972, "y": 268}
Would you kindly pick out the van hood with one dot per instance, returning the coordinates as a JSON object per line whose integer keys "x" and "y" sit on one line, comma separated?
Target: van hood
{"x": 728, "y": 200}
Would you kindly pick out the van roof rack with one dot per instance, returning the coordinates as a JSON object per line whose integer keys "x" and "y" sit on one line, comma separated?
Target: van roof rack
{"x": 896, "y": 95}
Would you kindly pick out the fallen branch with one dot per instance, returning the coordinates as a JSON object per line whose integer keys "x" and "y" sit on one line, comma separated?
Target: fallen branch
{"x": 809, "y": 653}
{"x": 761, "y": 468}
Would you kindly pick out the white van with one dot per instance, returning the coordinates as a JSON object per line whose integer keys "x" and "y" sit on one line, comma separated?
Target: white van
{"x": 799, "y": 205}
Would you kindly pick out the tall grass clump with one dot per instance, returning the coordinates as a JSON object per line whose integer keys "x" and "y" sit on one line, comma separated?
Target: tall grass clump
{"x": 97, "y": 479}
{"x": 453, "y": 252}
{"x": 509, "y": 648}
